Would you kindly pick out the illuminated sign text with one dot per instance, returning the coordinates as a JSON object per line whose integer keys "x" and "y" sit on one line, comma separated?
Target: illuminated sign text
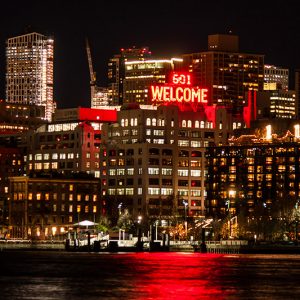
{"x": 179, "y": 94}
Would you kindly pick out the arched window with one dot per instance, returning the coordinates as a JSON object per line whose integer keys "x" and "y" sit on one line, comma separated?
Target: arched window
{"x": 122, "y": 122}
{"x": 183, "y": 124}
{"x": 126, "y": 122}
{"x": 202, "y": 124}
{"x": 162, "y": 122}
{"x": 148, "y": 122}
{"x": 159, "y": 122}
{"x": 135, "y": 121}
{"x": 153, "y": 122}
{"x": 197, "y": 124}
{"x": 131, "y": 122}
{"x": 189, "y": 124}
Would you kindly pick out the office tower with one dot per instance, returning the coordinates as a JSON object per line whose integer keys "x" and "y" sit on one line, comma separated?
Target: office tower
{"x": 141, "y": 74}
{"x": 116, "y": 71}
{"x": 29, "y": 71}
{"x": 227, "y": 73}
{"x": 276, "y": 104}
{"x": 275, "y": 78}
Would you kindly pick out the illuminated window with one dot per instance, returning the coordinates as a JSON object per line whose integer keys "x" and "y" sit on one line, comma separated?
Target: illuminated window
{"x": 153, "y": 171}
{"x": 29, "y": 196}
{"x": 94, "y": 209}
{"x": 54, "y": 207}
{"x": 47, "y": 196}
{"x": 154, "y": 191}
{"x": 71, "y": 187}
{"x": 120, "y": 171}
{"x": 38, "y": 166}
{"x": 54, "y": 165}
{"x": 71, "y": 197}
{"x": 129, "y": 191}
{"x": 78, "y": 197}
{"x": 195, "y": 144}
{"x": 195, "y": 173}
{"x": 183, "y": 124}
{"x": 38, "y": 196}
{"x": 86, "y": 208}
{"x": 148, "y": 122}
{"x": 94, "y": 198}
{"x": 78, "y": 208}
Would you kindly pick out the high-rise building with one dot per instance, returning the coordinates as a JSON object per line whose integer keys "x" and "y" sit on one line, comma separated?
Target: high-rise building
{"x": 225, "y": 72}
{"x": 276, "y": 104}
{"x": 275, "y": 78}
{"x": 29, "y": 71}
{"x": 116, "y": 71}
{"x": 141, "y": 74}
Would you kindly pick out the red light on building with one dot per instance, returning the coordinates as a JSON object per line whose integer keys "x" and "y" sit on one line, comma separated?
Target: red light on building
{"x": 179, "y": 90}
{"x": 96, "y": 115}
{"x": 165, "y": 93}
{"x": 180, "y": 78}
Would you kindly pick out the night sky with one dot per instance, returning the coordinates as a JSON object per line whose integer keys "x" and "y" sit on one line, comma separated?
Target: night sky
{"x": 168, "y": 28}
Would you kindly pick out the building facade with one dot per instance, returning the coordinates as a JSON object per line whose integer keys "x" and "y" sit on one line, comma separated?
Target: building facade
{"x": 29, "y": 71}
{"x": 153, "y": 161}
{"x": 278, "y": 104}
{"x": 276, "y": 78}
{"x": 11, "y": 164}
{"x": 48, "y": 207}
{"x": 116, "y": 71}
{"x": 253, "y": 172}
{"x": 141, "y": 74}
{"x": 227, "y": 73}
{"x": 69, "y": 144}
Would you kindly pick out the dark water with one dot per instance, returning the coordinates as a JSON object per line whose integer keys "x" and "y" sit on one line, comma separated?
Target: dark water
{"x": 62, "y": 275}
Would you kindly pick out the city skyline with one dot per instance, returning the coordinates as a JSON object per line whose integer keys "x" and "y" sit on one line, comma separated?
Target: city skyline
{"x": 264, "y": 29}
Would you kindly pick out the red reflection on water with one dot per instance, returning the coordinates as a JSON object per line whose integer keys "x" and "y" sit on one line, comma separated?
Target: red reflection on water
{"x": 179, "y": 276}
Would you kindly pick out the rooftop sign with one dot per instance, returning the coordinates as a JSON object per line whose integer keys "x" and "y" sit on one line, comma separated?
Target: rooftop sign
{"x": 179, "y": 90}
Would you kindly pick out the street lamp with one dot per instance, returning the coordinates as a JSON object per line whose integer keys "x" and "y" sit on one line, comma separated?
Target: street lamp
{"x": 185, "y": 203}
{"x": 120, "y": 208}
{"x": 231, "y": 194}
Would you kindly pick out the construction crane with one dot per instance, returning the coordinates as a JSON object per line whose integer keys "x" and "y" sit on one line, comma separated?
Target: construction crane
{"x": 92, "y": 73}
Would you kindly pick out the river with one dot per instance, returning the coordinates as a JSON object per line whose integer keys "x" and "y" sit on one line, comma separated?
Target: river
{"x": 171, "y": 275}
